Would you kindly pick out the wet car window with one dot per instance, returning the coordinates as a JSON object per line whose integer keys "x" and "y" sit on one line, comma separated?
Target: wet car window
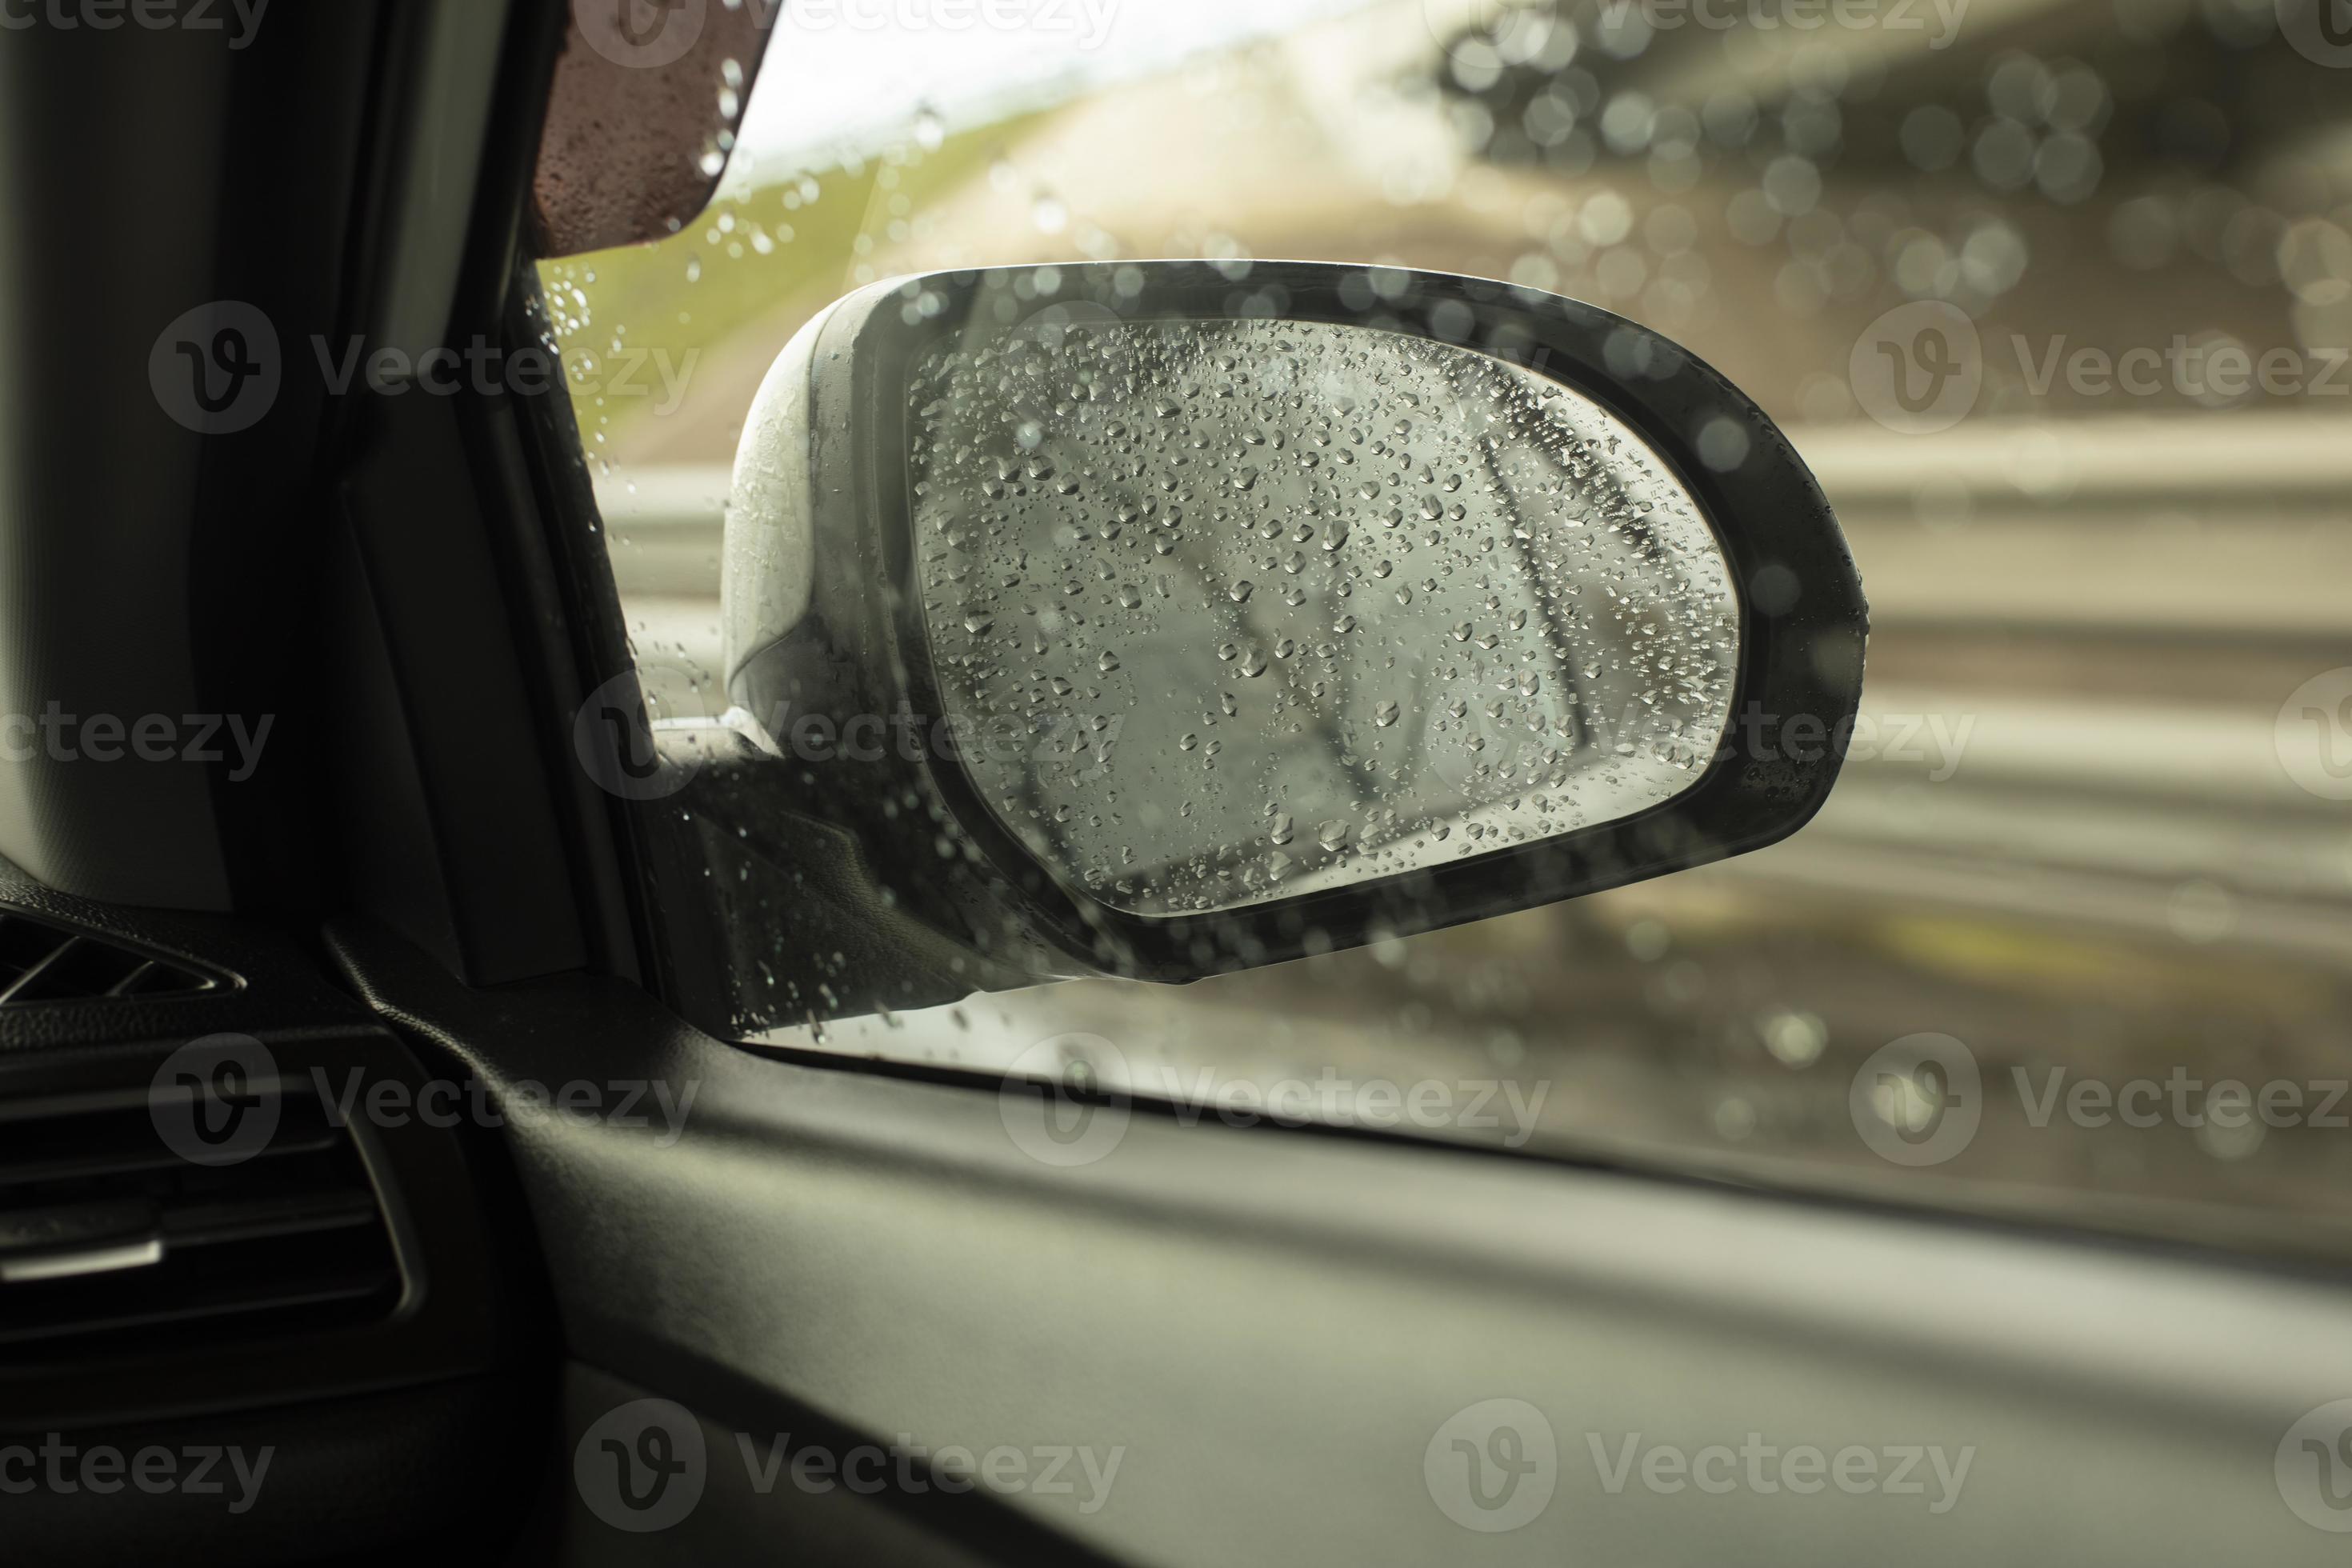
{"x": 2054, "y": 298}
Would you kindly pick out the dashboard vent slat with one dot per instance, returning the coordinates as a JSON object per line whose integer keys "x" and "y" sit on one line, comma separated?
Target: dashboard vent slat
{"x": 44, "y": 963}
{"x": 110, "y": 1242}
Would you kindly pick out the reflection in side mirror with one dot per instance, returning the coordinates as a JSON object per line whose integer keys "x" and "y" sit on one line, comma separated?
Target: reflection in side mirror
{"x": 1243, "y": 618}
{"x": 1301, "y": 605}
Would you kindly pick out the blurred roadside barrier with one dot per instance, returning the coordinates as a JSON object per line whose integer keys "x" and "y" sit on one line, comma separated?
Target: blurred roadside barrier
{"x": 2082, "y": 636}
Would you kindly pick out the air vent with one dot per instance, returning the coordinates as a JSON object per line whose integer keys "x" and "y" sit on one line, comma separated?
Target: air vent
{"x": 43, "y": 962}
{"x": 112, "y": 1242}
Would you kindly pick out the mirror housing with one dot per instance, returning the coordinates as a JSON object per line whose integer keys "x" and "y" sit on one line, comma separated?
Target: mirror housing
{"x": 827, "y": 640}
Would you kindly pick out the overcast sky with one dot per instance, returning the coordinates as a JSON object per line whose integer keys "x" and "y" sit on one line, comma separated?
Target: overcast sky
{"x": 853, "y": 74}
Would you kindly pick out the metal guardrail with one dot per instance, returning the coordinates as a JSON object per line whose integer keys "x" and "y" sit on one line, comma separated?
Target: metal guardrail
{"x": 2161, "y": 547}
{"x": 2228, "y": 523}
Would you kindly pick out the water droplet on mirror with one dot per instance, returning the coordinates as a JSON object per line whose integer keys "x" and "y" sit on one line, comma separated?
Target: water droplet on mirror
{"x": 1157, "y": 422}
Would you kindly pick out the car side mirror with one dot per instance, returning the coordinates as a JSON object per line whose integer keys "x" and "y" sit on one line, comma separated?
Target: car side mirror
{"x": 1163, "y": 618}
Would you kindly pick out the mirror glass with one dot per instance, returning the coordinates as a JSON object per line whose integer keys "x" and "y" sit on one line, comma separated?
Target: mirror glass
{"x": 1241, "y": 610}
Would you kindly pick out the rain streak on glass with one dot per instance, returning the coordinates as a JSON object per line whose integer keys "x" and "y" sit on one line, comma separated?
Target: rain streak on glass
{"x": 1287, "y": 607}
